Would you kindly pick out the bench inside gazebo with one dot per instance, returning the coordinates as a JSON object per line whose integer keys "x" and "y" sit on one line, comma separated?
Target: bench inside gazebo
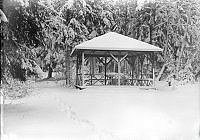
{"x": 115, "y": 59}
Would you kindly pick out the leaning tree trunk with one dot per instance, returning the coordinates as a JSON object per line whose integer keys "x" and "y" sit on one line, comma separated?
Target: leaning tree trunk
{"x": 161, "y": 72}
{"x": 180, "y": 56}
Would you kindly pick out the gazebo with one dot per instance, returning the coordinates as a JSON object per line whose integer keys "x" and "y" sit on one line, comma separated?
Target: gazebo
{"x": 115, "y": 59}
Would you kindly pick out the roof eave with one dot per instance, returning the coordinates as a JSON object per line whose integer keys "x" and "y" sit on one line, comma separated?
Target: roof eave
{"x": 74, "y": 51}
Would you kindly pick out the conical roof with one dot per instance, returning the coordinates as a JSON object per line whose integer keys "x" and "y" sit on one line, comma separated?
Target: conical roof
{"x": 115, "y": 42}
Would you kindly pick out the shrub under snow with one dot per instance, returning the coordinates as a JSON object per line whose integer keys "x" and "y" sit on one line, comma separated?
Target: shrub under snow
{"x": 16, "y": 89}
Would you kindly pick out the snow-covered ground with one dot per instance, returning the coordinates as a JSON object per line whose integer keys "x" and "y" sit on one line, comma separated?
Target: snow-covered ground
{"x": 52, "y": 112}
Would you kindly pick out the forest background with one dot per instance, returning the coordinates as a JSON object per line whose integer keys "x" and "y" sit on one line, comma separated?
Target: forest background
{"x": 41, "y": 34}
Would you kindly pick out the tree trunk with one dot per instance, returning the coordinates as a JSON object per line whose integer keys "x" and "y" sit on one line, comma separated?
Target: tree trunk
{"x": 197, "y": 75}
{"x": 180, "y": 56}
{"x": 3, "y": 58}
{"x": 68, "y": 76}
{"x": 50, "y": 72}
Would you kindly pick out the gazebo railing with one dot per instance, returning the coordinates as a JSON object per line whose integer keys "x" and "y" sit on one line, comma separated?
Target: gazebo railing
{"x": 99, "y": 79}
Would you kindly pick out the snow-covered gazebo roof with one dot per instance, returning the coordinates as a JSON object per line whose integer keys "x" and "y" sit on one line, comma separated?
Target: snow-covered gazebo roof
{"x": 114, "y": 42}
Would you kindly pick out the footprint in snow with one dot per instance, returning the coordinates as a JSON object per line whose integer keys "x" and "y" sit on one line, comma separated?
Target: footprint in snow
{"x": 64, "y": 107}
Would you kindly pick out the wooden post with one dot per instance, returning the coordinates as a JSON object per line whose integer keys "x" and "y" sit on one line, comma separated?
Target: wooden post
{"x": 82, "y": 70}
{"x": 105, "y": 65}
{"x": 138, "y": 67}
{"x": 132, "y": 68}
{"x": 131, "y": 61}
{"x": 90, "y": 59}
{"x": 119, "y": 67}
{"x": 77, "y": 69}
{"x": 141, "y": 67}
{"x": 153, "y": 77}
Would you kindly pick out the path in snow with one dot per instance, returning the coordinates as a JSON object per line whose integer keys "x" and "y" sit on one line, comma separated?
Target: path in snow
{"x": 104, "y": 113}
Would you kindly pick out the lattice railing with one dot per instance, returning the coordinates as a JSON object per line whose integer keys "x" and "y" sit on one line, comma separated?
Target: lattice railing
{"x": 99, "y": 79}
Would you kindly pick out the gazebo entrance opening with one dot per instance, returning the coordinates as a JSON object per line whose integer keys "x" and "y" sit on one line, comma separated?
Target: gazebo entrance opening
{"x": 115, "y": 59}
